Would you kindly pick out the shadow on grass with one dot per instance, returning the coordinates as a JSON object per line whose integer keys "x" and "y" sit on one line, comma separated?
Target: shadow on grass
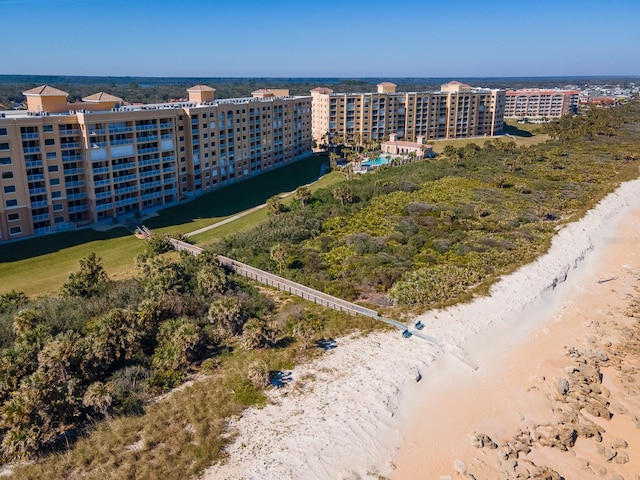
{"x": 34, "y": 247}
{"x": 226, "y": 201}
{"x": 241, "y": 196}
{"x": 515, "y": 131}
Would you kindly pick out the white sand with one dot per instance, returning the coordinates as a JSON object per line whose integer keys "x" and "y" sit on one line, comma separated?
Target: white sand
{"x": 345, "y": 415}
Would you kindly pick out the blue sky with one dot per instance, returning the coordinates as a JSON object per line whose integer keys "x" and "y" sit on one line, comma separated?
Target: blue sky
{"x": 326, "y": 38}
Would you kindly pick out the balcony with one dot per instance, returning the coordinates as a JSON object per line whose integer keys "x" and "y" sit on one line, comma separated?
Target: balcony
{"x": 35, "y": 178}
{"x": 123, "y": 166}
{"x": 97, "y": 131}
{"x": 70, "y": 145}
{"x": 79, "y": 183}
{"x": 122, "y": 141}
{"x": 98, "y": 144}
{"x": 69, "y": 132}
{"x": 166, "y": 125}
{"x": 37, "y": 191}
{"x": 103, "y": 195}
{"x": 33, "y": 164}
{"x": 147, "y": 138}
{"x": 141, "y": 128}
{"x": 150, "y": 161}
{"x": 167, "y": 136}
{"x": 71, "y": 158}
{"x": 63, "y": 226}
{"x": 31, "y": 149}
{"x": 40, "y": 204}
{"x": 72, "y": 171}
{"x": 152, "y": 195}
{"x": 150, "y": 184}
{"x": 168, "y": 169}
{"x": 170, "y": 191}
{"x": 142, "y": 151}
{"x": 29, "y": 136}
{"x": 78, "y": 208}
{"x": 169, "y": 180}
{"x": 150, "y": 173}
{"x": 120, "y": 129}
{"x": 127, "y": 201}
{"x": 41, "y": 230}
{"x": 125, "y": 178}
{"x": 100, "y": 170}
{"x": 77, "y": 196}
{"x": 104, "y": 206}
{"x": 123, "y": 190}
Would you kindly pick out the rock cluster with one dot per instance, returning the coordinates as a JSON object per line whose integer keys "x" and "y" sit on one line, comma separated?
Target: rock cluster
{"x": 578, "y": 397}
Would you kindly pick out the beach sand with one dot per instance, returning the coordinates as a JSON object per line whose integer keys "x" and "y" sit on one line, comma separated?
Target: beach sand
{"x": 514, "y": 396}
{"x": 358, "y": 412}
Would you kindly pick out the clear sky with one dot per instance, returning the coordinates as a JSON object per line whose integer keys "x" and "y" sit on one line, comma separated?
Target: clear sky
{"x": 323, "y": 38}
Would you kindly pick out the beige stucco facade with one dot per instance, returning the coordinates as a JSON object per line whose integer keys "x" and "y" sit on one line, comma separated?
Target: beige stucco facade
{"x": 457, "y": 111}
{"x": 65, "y": 169}
{"x": 537, "y": 103}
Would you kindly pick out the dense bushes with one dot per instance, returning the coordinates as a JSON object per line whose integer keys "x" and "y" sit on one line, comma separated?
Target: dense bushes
{"x": 428, "y": 232}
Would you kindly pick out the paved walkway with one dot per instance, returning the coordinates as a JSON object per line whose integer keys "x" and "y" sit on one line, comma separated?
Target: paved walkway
{"x": 323, "y": 169}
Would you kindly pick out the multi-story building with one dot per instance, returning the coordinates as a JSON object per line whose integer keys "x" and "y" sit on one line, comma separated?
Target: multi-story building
{"x": 65, "y": 165}
{"x": 457, "y": 111}
{"x": 537, "y": 103}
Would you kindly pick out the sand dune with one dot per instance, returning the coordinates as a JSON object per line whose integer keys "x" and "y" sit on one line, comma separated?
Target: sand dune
{"x": 358, "y": 411}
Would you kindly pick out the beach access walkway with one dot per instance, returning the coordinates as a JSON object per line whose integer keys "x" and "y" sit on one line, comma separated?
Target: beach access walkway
{"x": 313, "y": 295}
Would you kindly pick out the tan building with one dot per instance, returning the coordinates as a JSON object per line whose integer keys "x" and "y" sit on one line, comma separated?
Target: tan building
{"x": 65, "y": 165}
{"x": 537, "y": 103}
{"x": 457, "y": 111}
{"x": 393, "y": 146}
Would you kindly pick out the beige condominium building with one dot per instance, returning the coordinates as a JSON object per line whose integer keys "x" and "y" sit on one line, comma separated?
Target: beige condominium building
{"x": 457, "y": 111}
{"x": 537, "y": 103}
{"x": 64, "y": 166}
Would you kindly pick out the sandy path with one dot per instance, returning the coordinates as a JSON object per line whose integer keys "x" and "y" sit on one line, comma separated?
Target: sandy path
{"x": 345, "y": 414}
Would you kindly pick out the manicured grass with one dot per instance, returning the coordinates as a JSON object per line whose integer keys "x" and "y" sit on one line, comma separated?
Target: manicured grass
{"x": 225, "y": 202}
{"x": 522, "y": 134}
{"x": 256, "y": 217}
{"x": 41, "y": 265}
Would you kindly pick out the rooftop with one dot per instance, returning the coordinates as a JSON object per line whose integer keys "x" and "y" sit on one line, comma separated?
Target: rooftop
{"x": 46, "y": 91}
{"x": 102, "y": 97}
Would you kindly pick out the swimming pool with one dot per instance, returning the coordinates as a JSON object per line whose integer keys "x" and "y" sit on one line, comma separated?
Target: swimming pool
{"x": 376, "y": 162}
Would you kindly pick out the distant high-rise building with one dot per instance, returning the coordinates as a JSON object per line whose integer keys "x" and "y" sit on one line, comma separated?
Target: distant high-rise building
{"x": 457, "y": 111}
{"x": 65, "y": 165}
{"x": 537, "y": 103}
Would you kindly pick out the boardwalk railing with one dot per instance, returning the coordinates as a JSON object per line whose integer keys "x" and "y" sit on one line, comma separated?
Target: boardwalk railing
{"x": 312, "y": 295}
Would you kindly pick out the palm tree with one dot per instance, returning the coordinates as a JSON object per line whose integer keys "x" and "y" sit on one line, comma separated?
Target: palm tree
{"x": 227, "y": 313}
{"x": 343, "y": 193}
{"x": 274, "y": 205}
{"x": 278, "y": 254}
{"x": 303, "y": 194}
{"x": 333, "y": 160}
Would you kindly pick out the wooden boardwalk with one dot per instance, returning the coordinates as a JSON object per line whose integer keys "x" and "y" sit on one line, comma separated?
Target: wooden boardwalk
{"x": 312, "y": 295}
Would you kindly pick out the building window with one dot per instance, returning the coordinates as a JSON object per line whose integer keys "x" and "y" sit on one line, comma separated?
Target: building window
{"x": 4, "y": 146}
{"x": 52, "y": 168}
{"x": 47, "y": 128}
{"x": 5, "y": 160}
{"x": 6, "y": 175}
{"x": 56, "y": 194}
{"x": 58, "y": 219}
{"x": 3, "y": 131}
{"x": 58, "y": 207}
{"x": 11, "y": 203}
{"x": 15, "y": 230}
{"x": 10, "y": 189}
{"x": 52, "y": 155}
{"x": 13, "y": 217}
{"x": 49, "y": 141}
{"x": 54, "y": 181}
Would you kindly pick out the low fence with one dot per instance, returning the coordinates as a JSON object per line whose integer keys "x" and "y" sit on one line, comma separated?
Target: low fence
{"x": 302, "y": 291}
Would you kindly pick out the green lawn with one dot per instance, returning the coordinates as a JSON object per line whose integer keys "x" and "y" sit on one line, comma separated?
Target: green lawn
{"x": 41, "y": 265}
{"x": 226, "y": 202}
{"x": 522, "y": 134}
